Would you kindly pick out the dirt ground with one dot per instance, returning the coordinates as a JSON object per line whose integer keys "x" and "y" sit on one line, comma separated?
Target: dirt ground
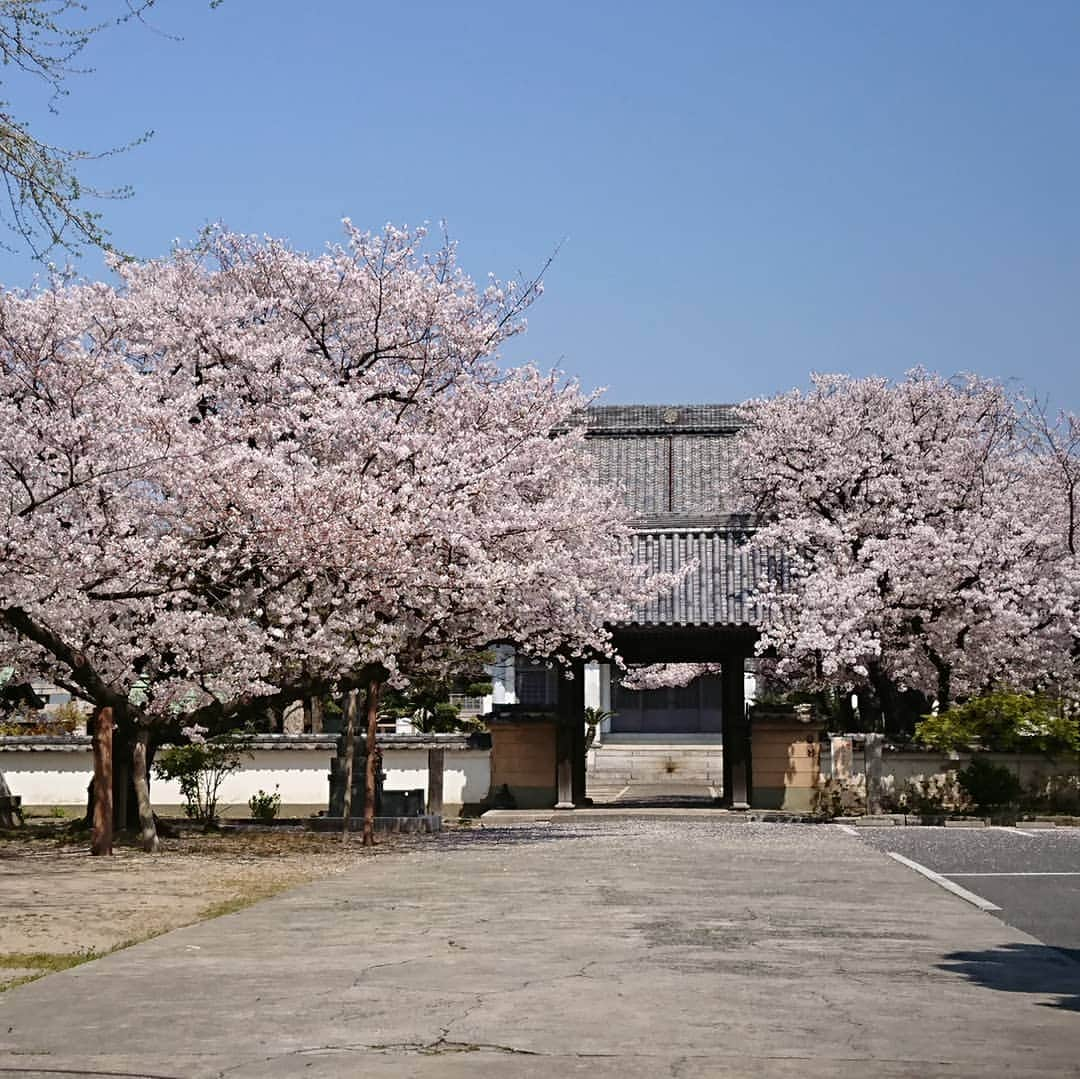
{"x": 61, "y": 906}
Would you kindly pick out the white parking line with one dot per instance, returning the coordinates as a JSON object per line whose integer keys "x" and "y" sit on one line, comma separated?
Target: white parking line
{"x": 846, "y": 828}
{"x": 1046, "y": 873}
{"x": 1027, "y": 833}
{"x": 944, "y": 882}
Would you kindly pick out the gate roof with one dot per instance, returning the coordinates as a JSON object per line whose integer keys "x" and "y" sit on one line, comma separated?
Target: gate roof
{"x": 673, "y": 464}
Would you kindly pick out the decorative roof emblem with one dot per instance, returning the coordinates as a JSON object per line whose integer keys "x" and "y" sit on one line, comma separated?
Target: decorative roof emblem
{"x": 670, "y": 415}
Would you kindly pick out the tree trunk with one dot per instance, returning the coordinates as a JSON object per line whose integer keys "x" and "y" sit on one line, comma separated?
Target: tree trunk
{"x": 140, "y": 766}
{"x": 886, "y": 695}
{"x": 122, "y": 801}
{"x": 349, "y": 745}
{"x": 7, "y": 812}
{"x": 101, "y": 836}
{"x": 944, "y": 680}
{"x": 371, "y": 761}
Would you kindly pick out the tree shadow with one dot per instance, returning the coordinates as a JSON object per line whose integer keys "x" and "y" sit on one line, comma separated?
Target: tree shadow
{"x": 1023, "y": 968}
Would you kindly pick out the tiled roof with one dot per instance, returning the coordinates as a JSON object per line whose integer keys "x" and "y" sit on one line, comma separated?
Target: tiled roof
{"x": 673, "y": 460}
{"x": 674, "y": 465}
{"x": 715, "y": 591}
{"x": 665, "y": 419}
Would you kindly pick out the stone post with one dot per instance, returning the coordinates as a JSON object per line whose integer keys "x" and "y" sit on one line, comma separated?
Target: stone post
{"x": 436, "y": 760}
{"x": 292, "y": 721}
{"x": 874, "y": 744}
{"x": 842, "y": 757}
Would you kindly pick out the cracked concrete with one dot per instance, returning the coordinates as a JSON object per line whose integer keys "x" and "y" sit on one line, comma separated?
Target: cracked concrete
{"x": 635, "y": 949}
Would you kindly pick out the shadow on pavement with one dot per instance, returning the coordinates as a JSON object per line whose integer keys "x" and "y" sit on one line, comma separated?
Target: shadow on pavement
{"x": 662, "y": 801}
{"x": 518, "y": 835}
{"x": 1023, "y": 968}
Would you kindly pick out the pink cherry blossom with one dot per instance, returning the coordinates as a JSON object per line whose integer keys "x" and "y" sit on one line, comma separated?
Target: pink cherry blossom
{"x": 925, "y": 535}
{"x": 245, "y": 474}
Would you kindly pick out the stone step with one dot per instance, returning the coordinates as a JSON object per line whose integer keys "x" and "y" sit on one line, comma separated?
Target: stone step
{"x": 628, "y": 762}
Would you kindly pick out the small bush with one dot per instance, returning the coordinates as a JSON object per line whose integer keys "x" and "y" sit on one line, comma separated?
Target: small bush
{"x": 199, "y": 768}
{"x": 839, "y": 797}
{"x": 1054, "y": 794}
{"x": 265, "y": 807}
{"x": 989, "y": 785}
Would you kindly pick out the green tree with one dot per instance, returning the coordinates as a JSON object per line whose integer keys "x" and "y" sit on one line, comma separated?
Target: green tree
{"x": 1006, "y": 722}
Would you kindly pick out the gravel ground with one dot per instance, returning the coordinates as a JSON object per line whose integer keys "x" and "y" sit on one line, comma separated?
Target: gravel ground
{"x": 60, "y": 904}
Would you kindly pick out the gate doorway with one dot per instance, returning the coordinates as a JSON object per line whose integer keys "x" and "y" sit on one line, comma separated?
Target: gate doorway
{"x": 695, "y": 708}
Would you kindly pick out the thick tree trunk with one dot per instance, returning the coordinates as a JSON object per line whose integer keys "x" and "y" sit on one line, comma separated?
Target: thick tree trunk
{"x": 101, "y": 836}
{"x": 123, "y": 816}
{"x": 887, "y": 697}
{"x": 944, "y": 681}
{"x": 140, "y": 767}
{"x": 8, "y": 817}
{"x": 349, "y": 746}
{"x": 371, "y": 761}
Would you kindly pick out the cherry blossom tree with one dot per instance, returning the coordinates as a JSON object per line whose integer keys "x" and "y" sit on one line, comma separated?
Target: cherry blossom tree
{"x": 666, "y": 675}
{"x": 923, "y": 549}
{"x": 246, "y": 475}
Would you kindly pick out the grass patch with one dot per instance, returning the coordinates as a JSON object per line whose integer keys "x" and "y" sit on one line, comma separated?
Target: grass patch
{"x": 252, "y": 893}
{"x": 47, "y": 962}
{"x": 41, "y": 963}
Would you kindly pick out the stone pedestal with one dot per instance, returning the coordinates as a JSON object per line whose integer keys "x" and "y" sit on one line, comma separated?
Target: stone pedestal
{"x": 337, "y": 784}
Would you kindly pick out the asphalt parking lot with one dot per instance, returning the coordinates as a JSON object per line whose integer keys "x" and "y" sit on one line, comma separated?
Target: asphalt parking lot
{"x": 1033, "y": 876}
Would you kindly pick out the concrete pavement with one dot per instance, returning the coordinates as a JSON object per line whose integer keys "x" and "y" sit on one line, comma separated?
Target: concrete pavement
{"x": 635, "y": 948}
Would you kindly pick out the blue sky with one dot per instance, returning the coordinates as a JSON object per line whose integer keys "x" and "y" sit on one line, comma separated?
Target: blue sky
{"x": 744, "y": 192}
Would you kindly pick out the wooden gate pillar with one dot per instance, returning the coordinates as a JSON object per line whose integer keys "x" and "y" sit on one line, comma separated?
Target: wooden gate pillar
{"x": 571, "y": 740}
{"x": 736, "y": 736}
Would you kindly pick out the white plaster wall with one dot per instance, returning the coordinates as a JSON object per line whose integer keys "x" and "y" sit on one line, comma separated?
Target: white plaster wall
{"x": 466, "y": 773}
{"x": 900, "y": 766}
{"x": 48, "y": 779}
{"x": 301, "y": 776}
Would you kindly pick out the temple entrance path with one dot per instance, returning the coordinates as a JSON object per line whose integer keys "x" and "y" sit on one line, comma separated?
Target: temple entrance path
{"x": 690, "y": 795}
{"x": 634, "y": 948}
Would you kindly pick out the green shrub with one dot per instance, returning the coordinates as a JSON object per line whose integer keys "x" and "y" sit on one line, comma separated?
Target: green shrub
{"x": 989, "y": 785}
{"x": 1005, "y": 722}
{"x": 200, "y": 768}
{"x": 264, "y": 807}
{"x": 443, "y": 718}
{"x": 1054, "y": 794}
